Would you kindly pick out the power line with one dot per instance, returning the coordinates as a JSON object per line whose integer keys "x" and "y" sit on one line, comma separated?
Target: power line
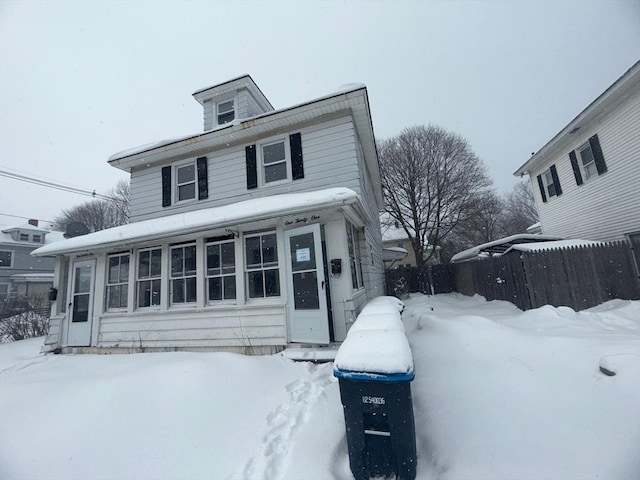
{"x": 26, "y": 218}
{"x": 56, "y": 186}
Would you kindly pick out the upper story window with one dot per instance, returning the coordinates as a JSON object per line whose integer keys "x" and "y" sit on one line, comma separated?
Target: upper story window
{"x": 149, "y": 277}
{"x": 36, "y": 238}
{"x": 274, "y": 161}
{"x": 225, "y": 111}
{"x": 117, "y": 281}
{"x": 263, "y": 277}
{"x": 186, "y": 182}
{"x": 6, "y": 259}
{"x": 588, "y": 161}
{"x": 275, "y": 164}
{"x": 24, "y": 237}
{"x": 183, "y": 274}
{"x": 549, "y": 183}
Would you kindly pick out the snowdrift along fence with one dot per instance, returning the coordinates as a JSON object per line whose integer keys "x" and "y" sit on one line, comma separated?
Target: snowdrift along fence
{"x": 578, "y": 277}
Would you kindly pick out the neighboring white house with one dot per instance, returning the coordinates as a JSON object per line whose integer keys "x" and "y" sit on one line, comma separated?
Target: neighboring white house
{"x": 259, "y": 233}
{"x": 586, "y": 179}
{"x": 22, "y": 275}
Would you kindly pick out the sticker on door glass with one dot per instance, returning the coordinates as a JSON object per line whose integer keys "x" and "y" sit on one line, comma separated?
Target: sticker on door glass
{"x": 303, "y": 255}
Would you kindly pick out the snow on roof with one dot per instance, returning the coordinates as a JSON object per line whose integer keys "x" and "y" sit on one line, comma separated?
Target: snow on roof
{"x": 539, "y": 246}
{"x": 204, "y": 219}
{"x": 150, "y": 146}
{"x": 500, "y": 246}
{"x": 393, "y": 253}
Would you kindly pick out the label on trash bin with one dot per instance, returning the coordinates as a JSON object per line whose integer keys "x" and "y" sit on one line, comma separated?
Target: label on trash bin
{"x": 374, "y": 400}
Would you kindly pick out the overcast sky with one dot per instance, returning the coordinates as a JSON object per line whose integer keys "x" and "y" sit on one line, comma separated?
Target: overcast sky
{"x": 80, "y": 81}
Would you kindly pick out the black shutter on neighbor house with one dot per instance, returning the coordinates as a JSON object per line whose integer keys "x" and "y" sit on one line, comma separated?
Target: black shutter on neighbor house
{"x": 542, "y": 192}
{"x": 252, "y": 167}
{"x": 576, "y": 167}
{"x": 203, "y": 179}
{"x": 166, "y": 186}
{"x": 556, "y": 180}
{"x": 297, "y": 166}
{"x": 598, "y": 157}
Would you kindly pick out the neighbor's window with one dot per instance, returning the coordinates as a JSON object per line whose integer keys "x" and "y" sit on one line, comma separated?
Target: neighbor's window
{"x": 226, "y": 112}
{"x": 118, "y": 281}
{"x": 263, "y": 278}
{"x": 36, "y": 238}
{"x": 183, "y": 274}
{"x": 24, "y": 237}
{"x": 186, "y": 182}
{"x": 4, "y": 291}
{"x": 353, "y": 242}
{"x": 148, "y": 279}
{"x": 6, "y": 259}
{"x": 221, "y": 271}
{"x": 274, "y": 161}
{"x": 588, "y": 161}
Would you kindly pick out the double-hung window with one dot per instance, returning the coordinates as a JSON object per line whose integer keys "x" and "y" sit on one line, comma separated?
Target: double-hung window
{"x": 183, "y": 274}
{"x": 221, "y": 271}
{"x": 186, "y": 181}
{"x": 149, "y": 277}
{"x": 226, "y": 112}
{"x": 24, "y": 237}
{"x": 588, "y": 161}
{"x": 274, "y": 161}
{"x": 353, "y": 244}
{"x": 6, "y": 259}
{"x": 118, "y": 281}
{"x": 549, "y": 183}
{"x": 263, "y": 278}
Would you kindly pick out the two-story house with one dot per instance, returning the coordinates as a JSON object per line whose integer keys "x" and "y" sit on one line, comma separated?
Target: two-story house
{"x": 259, "y": 233}
{"x": 586, "y": 179}
{"x": 22, "y": 275}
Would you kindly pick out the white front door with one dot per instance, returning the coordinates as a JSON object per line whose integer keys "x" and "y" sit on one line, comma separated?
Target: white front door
{"x": 308, "y": 319}
{"x": 81, "y": 308}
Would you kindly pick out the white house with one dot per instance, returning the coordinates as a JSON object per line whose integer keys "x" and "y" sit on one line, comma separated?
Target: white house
{"x": 260, "y": 233}
{"x": 586, "y": 179}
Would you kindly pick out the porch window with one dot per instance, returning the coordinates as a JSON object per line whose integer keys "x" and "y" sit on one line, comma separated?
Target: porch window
{"x": 263, "y": 278}
{"x": 118, "y": 281}
{"x": 353, "y": 242}
{"x": 4, "y": 292}
{"x": 221, "y": 271}
{"x": 148, "y": 280}
{"x": 6, "y": 259}
{"x": 183, "y": 274}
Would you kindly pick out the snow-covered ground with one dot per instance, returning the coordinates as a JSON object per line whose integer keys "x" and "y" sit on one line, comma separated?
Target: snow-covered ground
{"x": 498, "y": 394}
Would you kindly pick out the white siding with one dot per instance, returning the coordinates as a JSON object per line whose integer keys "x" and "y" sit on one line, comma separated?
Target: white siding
{"x": 330, "y": 160}
{"x": 208, "y": 114}
{"x": 605, "y": 207}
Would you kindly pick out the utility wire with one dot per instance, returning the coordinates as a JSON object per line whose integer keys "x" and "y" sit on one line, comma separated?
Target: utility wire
{"x": 26, "y": 218}
{"x": 56, "y": 186}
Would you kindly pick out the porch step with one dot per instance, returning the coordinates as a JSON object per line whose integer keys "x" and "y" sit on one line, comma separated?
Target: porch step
{"x": 311, "y": 354}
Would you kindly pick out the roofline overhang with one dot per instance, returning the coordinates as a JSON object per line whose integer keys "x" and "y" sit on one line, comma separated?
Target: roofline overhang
{"x": 342, "y": 103}
{"x": 621, "y": 88}
{"x": 70, "y": 246}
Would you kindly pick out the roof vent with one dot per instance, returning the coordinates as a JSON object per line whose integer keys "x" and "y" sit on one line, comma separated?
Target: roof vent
{"x": 76, "y": 229}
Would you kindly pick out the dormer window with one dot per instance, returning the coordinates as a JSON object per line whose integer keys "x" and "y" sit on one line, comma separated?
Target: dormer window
{"x": 36, "y": 238}
{"x": 24, "y": 237}
{"x": 226, "y": 112}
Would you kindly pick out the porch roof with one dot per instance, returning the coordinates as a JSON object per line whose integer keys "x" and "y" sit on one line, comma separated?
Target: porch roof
{"x": 205, "y": 219}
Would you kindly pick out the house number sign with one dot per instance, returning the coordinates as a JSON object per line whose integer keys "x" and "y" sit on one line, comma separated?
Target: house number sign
{"x": 302, "y": 220}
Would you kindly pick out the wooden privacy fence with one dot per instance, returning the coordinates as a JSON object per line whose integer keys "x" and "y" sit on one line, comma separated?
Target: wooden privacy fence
{"x": 578, "y": 277}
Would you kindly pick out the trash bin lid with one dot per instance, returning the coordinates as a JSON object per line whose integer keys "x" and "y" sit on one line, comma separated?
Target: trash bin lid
{"x": 388, "y": 300}
{"x": 377, "y": 321}
{"x": 376, "y": 355}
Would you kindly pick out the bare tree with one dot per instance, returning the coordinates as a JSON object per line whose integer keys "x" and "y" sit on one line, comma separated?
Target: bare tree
{"x": 100, "y": 213}
{"x": 432, "y": 182}
{"x": 520, "y": 210}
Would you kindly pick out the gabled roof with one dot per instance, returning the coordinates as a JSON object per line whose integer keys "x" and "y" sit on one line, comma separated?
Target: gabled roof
{"x": 627, "y": 84}
{"x": 206, "y": 219}
{"x": 498, "y": 247}
{"x": 243, "y": 81}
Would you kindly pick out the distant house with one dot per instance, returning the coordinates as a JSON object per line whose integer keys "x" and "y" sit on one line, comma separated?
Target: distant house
{"x": 586, "y": 179}
{"x": 395, "y": 239}
{"x": 259, "y": 233}
{"x": 20, "y": 273}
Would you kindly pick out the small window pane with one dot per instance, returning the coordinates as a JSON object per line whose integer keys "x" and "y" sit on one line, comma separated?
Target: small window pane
{"x": 215, "y": 289}
{"x": 143, "y": 264}
{"x": 273, "y": 173}
{"x": 230, "y": 287}
{"x": 186, "y": 174}
{"x": 213, "y": 259}
{"x": 156, "y": 259}
{"x": 228, "y": 258}
{"x": 269, "y": 249}
{"x": 253, "y": 251}
{"x": 273, "y": 153}
{"x": 256, "y": 289}
{"x": 124, "y": 268}
{"x": 114, "y": 269}
{"x": 187, "y": 192}
{"x": 225, "y": 106}
{"x": 190, "y": 260}
{"x": 226, "y": 118}
{"x": 272, "y": 283}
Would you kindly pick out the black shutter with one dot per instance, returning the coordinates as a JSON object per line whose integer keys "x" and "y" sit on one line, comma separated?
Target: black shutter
{"x": 601, "y": 166}
{"x": 297, "y": 166}
{"x": 252, "y": 167}
{"x": 203, "y": 180}
{"x": 166, "y": 186}
{"x": 556, "y": 180}
{"x": 541, "y": 185}
{"x": 576, "y": 167}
